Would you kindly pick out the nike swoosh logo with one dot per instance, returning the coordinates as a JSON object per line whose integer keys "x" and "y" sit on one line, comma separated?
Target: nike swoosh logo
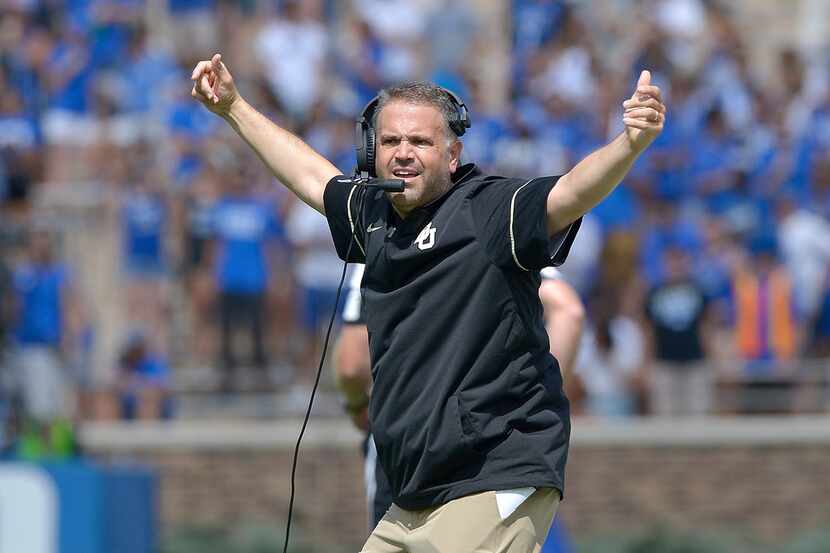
{"x": 373, "y": 229}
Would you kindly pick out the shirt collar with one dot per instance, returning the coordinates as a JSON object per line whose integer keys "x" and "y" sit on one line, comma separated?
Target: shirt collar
{"x": 465, "y": 173}
{"x": 420, "y": 215}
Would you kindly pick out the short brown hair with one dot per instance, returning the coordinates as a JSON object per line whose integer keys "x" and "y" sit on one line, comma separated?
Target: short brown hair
{"x": 423, "y": 93}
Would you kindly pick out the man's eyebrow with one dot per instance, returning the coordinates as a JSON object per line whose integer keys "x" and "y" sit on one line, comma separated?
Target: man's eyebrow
{"x": 415, "y": 135}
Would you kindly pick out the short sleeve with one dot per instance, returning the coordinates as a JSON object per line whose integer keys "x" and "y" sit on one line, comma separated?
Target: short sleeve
{"x": 353, "y": 306}
{"x": 342, "y": 202}
{"x": 511, "y": 217}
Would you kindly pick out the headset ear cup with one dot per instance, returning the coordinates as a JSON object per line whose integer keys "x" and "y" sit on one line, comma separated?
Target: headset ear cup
{"x": 460, "y": 121}
{"x": 365, "y": 139}
{"x": 370, "y": 152}
{"x": 360, "y": 145}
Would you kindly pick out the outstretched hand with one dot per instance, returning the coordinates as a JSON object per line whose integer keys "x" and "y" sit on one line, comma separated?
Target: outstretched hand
{"x": 644, "y": 113}
{"x": 213, "y": 85}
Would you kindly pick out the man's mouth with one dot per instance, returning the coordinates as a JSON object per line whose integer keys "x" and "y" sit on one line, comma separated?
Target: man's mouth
{"x": 405, "y": 173}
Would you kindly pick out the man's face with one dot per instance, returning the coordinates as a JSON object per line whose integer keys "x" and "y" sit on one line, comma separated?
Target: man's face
{"x": 412, "y": 145}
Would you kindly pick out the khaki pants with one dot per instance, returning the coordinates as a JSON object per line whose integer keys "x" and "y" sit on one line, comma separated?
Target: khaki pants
{"x": 471, "y": 524}
{"x": 682, "y": 389}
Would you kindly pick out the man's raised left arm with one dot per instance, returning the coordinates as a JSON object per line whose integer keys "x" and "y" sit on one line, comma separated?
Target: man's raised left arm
{"x": 593, "y": 178}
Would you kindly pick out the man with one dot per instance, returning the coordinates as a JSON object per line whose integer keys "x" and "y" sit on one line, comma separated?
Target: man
{"x": 467, "y": 410}
{"x": 563, "y": 312}
{"x": 246, "y": 229}
{"x": 677, "y": 318}
{"x": 46, "y": 325}
{"x": 766, "y": 326}
{"x": 145, "y": 221}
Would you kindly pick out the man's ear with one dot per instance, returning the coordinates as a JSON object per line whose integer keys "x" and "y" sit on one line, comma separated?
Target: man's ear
{"x": 455, "y": 155}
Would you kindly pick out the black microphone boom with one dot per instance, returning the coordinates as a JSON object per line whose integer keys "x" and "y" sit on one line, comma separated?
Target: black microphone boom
{"x": 389, "y": 185}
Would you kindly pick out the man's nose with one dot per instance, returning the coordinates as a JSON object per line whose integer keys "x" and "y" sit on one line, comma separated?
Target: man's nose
{"x": 404, "y": 151}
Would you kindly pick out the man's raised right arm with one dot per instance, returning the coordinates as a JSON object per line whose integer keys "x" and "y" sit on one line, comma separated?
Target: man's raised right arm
{"x": 292, "y": 161}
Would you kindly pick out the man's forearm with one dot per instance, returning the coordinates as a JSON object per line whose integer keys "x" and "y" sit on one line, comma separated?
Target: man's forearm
{"x": 292, "y": 161}
{"x": 591, "y": 180}
{"x": 352, "y": 371}
{"x": 565, "y": 331}
{"x": 564, "y": 317}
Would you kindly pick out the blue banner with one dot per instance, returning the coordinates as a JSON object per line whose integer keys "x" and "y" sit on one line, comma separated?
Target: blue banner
{"x": 77, "y": 507}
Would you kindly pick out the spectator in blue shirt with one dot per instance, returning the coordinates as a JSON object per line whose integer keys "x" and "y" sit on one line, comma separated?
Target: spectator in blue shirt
{"x": 143, "y": 68}
{"x": 110, "y": 25}
{"x": 713, "y": 165}
{"x": 143, "y": 383}
{"x": 67, "y": 74}
{"x": 44, "y": 324}
{"x": 144, "y": 222}
{"x": 144, "y": 226}
{"x": 245, "y": 228}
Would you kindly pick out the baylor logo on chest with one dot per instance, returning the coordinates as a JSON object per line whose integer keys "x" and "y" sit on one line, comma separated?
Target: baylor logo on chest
{"x": 426, "y": 239}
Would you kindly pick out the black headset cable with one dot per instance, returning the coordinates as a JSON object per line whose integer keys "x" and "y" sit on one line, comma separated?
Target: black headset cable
{"x": 317, "y": 378}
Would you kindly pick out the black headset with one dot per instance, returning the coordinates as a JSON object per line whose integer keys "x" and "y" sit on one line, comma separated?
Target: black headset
{"x": 365, "y": 133}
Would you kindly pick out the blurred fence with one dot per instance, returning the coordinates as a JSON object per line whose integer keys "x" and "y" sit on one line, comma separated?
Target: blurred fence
{"x": 763, "y": 477}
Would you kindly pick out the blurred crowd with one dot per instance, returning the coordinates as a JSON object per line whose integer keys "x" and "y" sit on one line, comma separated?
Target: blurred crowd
{"x": 139, "y": 236}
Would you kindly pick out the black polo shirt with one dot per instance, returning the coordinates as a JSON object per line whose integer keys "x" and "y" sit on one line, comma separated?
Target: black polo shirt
{"x": 467, "y": 397}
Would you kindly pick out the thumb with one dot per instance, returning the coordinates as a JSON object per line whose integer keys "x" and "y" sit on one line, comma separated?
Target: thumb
{"x": 644, "y": 80}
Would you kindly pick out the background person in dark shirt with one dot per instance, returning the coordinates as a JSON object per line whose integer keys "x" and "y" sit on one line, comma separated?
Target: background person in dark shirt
{"x": 676, "y": 312}
{"x": 468, "y": 409}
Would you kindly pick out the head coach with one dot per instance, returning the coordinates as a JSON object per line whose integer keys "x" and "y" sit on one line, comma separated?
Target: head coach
{"x": 468, "y": 413}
